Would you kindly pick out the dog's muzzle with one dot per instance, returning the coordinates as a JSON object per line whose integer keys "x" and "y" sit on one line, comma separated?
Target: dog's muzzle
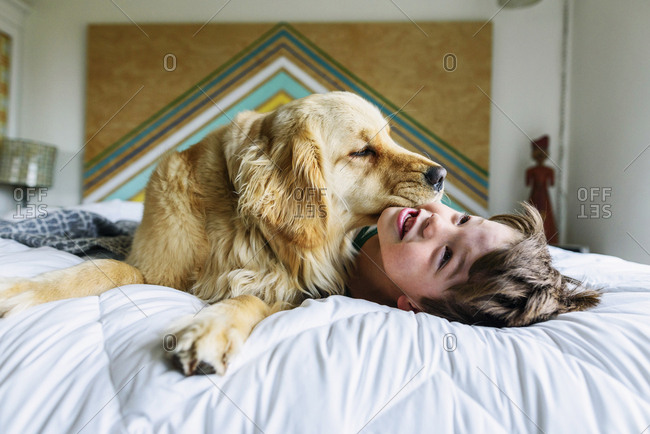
{"x": 435, "y": 177}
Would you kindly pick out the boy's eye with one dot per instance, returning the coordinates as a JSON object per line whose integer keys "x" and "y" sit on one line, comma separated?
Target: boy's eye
{"x": 464, "y": 219}
{"x": 446, "y": 256}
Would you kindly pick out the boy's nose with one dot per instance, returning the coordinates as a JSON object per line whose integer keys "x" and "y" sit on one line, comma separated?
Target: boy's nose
{"x": 433, "y": 225}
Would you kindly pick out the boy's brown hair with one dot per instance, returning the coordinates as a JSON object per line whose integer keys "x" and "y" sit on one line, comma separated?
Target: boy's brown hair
{"x": 513, "y": 286}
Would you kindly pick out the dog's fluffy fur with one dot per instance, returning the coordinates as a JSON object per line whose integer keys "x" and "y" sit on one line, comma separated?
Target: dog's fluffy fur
{"x": 255, "y": 218}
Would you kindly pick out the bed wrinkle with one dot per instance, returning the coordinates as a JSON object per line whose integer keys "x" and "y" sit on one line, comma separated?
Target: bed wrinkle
{"x": 579, "y": 362}
{"x": 470, "y": 397}
{"x": 108, "y": 367}
{"x": 328, "y": 323}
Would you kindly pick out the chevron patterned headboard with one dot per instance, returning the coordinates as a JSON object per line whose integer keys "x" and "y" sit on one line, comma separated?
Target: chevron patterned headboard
{"x": 156, "y": 87}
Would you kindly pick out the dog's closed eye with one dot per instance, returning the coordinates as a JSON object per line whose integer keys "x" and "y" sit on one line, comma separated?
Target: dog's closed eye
{"x": 365, "y": 152}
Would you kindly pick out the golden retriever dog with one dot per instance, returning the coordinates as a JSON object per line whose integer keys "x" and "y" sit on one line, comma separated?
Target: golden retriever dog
{"x": 255, "y": 218}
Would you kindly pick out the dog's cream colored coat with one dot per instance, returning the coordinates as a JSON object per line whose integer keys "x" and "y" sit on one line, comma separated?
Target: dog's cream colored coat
{"x": 255, "y": 218}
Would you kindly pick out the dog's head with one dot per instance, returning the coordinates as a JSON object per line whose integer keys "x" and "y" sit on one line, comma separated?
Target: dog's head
{"x": 321, "y": 162}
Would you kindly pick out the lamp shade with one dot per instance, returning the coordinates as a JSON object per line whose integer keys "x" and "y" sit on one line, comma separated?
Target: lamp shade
{"x": 26, "y": 163}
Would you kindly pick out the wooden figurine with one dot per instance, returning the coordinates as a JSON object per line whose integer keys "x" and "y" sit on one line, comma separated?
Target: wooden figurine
{"x": 541, "y": 177}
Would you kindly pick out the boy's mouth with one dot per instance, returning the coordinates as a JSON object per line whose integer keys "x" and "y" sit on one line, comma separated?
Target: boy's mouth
{"x": 405, "y": 220}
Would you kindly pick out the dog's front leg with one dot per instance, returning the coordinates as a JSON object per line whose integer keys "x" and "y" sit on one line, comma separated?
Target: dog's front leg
{"x": 207, "y": 341}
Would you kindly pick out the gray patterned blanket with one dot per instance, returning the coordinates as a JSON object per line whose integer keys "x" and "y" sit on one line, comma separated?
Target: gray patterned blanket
{"x": 82, "y": 233}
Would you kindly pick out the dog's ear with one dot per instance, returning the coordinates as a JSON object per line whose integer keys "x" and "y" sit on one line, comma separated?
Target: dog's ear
{"x": 281, "y": 184}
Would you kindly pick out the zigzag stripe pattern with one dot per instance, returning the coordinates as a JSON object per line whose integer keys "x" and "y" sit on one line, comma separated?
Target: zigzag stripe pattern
{"x": 279, "y": 66}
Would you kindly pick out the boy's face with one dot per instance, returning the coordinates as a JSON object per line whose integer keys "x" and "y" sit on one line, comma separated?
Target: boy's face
{"x": 428, "y": 250}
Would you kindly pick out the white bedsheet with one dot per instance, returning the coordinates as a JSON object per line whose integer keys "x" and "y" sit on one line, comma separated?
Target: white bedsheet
{"x": 338, "y": 365}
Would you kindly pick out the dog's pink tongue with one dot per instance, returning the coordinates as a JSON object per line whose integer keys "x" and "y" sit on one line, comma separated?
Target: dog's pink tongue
{"x": 408, "y": 224}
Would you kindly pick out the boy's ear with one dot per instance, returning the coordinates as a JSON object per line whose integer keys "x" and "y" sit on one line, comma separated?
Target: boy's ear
{"x": 404, "y": 303}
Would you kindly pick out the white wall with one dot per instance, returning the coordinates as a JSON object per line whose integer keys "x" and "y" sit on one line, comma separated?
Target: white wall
{"x": 610, "y": 127}
{"x": 526, "y": 92}
{"x": 526, "y": 69}
{"x": 12, "y": 19}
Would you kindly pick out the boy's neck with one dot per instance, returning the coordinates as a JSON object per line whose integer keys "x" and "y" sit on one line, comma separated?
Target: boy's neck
{"x": 370, "y": 281}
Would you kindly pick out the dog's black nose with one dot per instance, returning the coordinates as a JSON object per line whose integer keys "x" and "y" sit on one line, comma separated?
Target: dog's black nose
{"x": 436, "y": 177}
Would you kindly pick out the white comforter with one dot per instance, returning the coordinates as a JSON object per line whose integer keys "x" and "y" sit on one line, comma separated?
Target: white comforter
{"x": 337, "y": 365}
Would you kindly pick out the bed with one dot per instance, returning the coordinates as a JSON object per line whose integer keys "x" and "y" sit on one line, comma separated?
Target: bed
{"x": 336, "y": 365}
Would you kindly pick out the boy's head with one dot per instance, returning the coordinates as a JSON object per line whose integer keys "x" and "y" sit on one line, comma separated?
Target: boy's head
{"x": 425, "y": 251}
{"x": 514, "y": 285}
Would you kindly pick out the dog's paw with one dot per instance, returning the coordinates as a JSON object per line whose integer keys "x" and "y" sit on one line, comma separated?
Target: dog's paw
{"x": 17, "y": 303}
{"x": 14, "y": 298}
{"x": 205, "y": 344}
